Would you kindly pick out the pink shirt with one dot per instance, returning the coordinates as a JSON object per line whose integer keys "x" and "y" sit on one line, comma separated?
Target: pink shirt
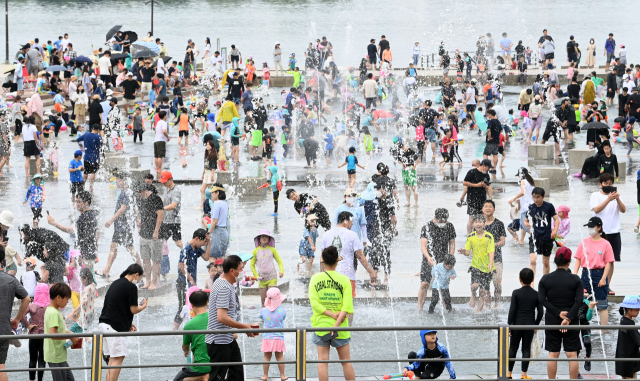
{"x": 598, "y": 252}
{"x": 564, "y": 228}
{"x": 420, "y": 133}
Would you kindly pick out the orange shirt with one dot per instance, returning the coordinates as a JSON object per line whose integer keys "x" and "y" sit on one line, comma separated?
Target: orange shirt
{"x": 184, "y": 123}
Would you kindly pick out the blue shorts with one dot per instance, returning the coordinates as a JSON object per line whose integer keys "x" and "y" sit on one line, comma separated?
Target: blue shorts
{"x": 514, "y": 225}
{"x": 336, "y": 343}
{"x": 351, "y": 171}
{"x": 306, "y": 252}
{"x": 507, "y": 129}
{"x": 600, "y": 293}
{"x": 236, "y": 100}
{"x": 20, "y": 83}
{"x": 431, "y": 135}
{"x": 384, "y": 120}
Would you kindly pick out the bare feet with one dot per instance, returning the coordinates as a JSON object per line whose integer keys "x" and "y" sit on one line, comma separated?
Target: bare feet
{"x": 520, "y": 242}
{"x": 152, "y": 286}
{"x": 146, "y": 286}
{"x": 502, "y": 165}
{"x": 472, "y": 301}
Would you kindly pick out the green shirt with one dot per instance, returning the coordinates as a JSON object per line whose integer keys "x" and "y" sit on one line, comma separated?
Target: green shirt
{"x": 480, "y": 249}
{"x": 333, "y": 295}
{"x": 198, "y": 346}
{"x": 54, "y": 350}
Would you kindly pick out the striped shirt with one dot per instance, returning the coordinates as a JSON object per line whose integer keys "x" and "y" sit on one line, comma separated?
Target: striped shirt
{"x": 223, "y": 295}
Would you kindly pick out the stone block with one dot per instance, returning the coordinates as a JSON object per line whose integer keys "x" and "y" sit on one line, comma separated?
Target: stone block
{"x": 556, "y": 175}
{"x": 120, "y": 162}
{"x": 578, "y": 156}
{"x": 622, "y": 169}
{"x": 255, "y": 169}
{"x": 138, "y": 174}
{"x": 543, "y": 183}
{"x": 46, "y": 167}
{"x": 226, "y": 177}
{"x": 250, "y": 186}
{"x": 541, "y": 151}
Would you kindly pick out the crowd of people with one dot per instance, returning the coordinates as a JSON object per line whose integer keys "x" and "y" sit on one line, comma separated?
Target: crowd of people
{"x": 361, "y": 229}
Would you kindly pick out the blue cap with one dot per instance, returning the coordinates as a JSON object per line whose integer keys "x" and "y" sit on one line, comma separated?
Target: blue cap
{"x": 632, "y": 119}
{"x": 631, "y": 301}
{"x": 77, "y": 153}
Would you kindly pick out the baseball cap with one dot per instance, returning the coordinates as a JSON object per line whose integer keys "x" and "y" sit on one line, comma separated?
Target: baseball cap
{"x": 77, "y": 153}
{"x": 632, "y": 119}
{"x": 129, "y": 74}
{"x": 218, "y": 103}
{"x": 486, "y": 162}
{"x": 166, "y": 175}
{"x": 593, "y": 222}
{"x": 218, "y": 262}
{"x": 564, "y": 253}
{"x": 190, "y": 41}
{"x": 349, "y": 191}
{"x": 114, "y": 100}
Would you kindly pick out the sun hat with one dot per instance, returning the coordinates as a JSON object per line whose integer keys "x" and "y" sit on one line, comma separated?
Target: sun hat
{"x": 30, "y": 262}
{"x": 190, "y": 291}
{"x": 74, "y": 253}
{"x": 564, "y": 209}
{"x": 312, "y": 217}
{"x": 272, "y": 241}
{"x": 630, "y": 301}
{"x": 41, "y": 295}
{"x": 370, "y": 193}
{"x": 274, "y": 299}
{"x": 37, "y": 176}
{"x": 244, "y": 256}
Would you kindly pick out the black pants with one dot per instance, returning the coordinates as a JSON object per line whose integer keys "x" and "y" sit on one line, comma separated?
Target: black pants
{"x": 435, "y": 298}
{"x": 73, "y": 111}
{"x": 454, "y": 153}
{"x": 586, "y": 340}
{"x": 516, "y": 336}
{"x": 181, "y": 288}
{"x": 310, "y": 155}
{"x": 137, "y": 133}
{"x": 36, "y": 357}
{"x": 421, "y": 149}
{"x": 381, "y": 253}
{"x": 225, "y": 353}
{"x": 426, "y": 371}
{"x": 18, "y": 130}
{"x": 285, "y": 147}
{"x": 276, "y": 197}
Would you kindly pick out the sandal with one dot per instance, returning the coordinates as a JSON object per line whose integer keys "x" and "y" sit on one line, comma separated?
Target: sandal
{"x": 101, "y": 274}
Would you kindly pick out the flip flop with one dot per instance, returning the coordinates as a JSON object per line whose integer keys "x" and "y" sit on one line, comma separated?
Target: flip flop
{"x": 100, "y": 274}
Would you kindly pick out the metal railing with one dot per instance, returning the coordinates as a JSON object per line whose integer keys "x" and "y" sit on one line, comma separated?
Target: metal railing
{"x": 502, "y": 359}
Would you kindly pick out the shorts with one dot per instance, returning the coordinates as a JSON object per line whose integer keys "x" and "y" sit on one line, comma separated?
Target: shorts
{"x": 266, "y": 153}
{"x": 130, "y": 102}
{"x": 183, "y": 133}
{"x": 208, "y": 176}
{"x": 573, "y": 58}
{"x": 116, "y": 346}
{"x": 609, "y": 57}
{"x": 37, "y": 213}
{"x": 150, "y": 249}
{"x": 370, "y": 102}
{"x": 145, "y": 88}
{"x": 590, "y": 280}
{"x": 480, "y": 278}
{"x": 76, "y": 188}
{"x": 470, "y": 108}
{"x": 425, "y": 271}
{"x": 541, "y": 247}
{"x": 571, "y": 128}
{"x": 501, "y": 150}
{"x": 351, "y": 171}
{"x": 268, "y": 283}
{"x": 20, "y": 83}
{"x": 409, "y": 177}
{"x": 446, "y": 157}
{"x": 474, "y": 208}
{"x": 497, "y": 273}
{"x": 170, "y": 230}
{"x": 122, "y": 238}
{"x": 237, "y": 100}
{"x": 550, "y": 132}
{"x": 616, "y": 244}
{"x": 373, "y": 60}
{"x": 445, "y": 70}
{"x": 431, "y": 135}
{"x": 159, "y": 150}
{"x": 336, "y": 343}
{"x": 200, "y": 115}
{"x": 507, "y": 129}
{"x": 235, "y": 58}
{"x": 514, "y": 225}
{"x": 186, "y": 372}
{"x": 12, "y": 267}
{"x": 91, "y": 168}
{"x": 549, "y": 56}
{"x": 490, "y": 149}
{"x": 4, "y": 349}
{"x": 556, "y": 340}
{"x": 328, "y": 153}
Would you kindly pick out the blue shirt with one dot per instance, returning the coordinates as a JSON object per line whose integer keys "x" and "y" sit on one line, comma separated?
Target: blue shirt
{"x": 358, "y": 219}
{"x": 506, "y": 42}
{"x": 304, "y": 243}
{"x": 57, "y": 44}
{"x": 220, "y": 212}
{"x": 610, "y": 45}
{"x": 92, "y": 144}
{"x": 442, "y": 276}
{"x": 164, "y": 87}
{"x": 329, "y": 140}
{"x": 189, "y": 256}
{"x": 75, "y": 176}
{"x": 58, "y": 99}
{"x": 273, "y": 319}
{"x": 351, "y": 160}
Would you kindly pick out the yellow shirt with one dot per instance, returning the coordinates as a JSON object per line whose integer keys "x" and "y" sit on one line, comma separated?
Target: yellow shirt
{"x": 481, "y": 248}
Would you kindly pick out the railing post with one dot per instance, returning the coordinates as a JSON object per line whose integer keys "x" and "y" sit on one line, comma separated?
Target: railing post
{"x": 301, "y": 354}
{"x": 96, "y": 356}
{"x": 503, "y": 352}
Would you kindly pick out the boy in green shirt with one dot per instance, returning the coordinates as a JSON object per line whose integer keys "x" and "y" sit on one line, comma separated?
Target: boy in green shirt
{"x": 55, "y": 351}
{"x": 195, "y": 343}
{"x": 481, "y": 245}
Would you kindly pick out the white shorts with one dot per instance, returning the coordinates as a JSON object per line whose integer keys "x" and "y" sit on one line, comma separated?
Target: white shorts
{"x": 113, "y": 346}
{"x": 146, "y": 87}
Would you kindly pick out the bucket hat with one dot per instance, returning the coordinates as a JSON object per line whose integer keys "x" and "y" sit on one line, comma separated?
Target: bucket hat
{"x": 630, "y": 301}
{"x": 274, "y": 299}
{"x": 272, "y": 241}
{"x": 6, "y": 218}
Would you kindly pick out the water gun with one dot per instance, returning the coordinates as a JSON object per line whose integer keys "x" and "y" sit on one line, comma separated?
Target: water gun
{"x": 405, "y": 373}
{"x": 249, "y": 278}
{"x": 561, "y": 241}
{"x": 265, "y": 185}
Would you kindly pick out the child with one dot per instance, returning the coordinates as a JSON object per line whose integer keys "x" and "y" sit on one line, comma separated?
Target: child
{"x": 608, "y": 163}
{"x": 183, "y": 127}
{"x": 445, "y": 147}
{"x": 267, "y": 146}
{"x": 328, "y": 148}
{"x": 263, "y": 255}
{"x": 351, "y": 161}
{"x": 481, "y": 245}
{"x": 266, "y": 74}
{"x": 222, "y": 154}
{"x": 292, "y": 61}
{"x": 215, "y": 270}
{"x": 75, "y": 175}
{"x": 565, "y": 225}
{"x": 442, "y": 273}
{"x": 431, "y": 348}
{"x": 273, "y": 316}
{"x": 86, "y": 305}
{"x": 37, "y": 195}
{"x": 585, "y": 314}
{"x": 603, "y": 111}
{"x": 377, "y": 148}
{"x": 502, "y": 139}
{"x": 165, "y": 264}
{"x": 628, "y": 339}
{"x": 368, "y": 142}
{"x": 542, "y": 230}
{"x": 55, "y": 350}
{"x": 276, "y": 186}
{"x": 73, "y": 277}
{"x": 308, "y": 242}
{"x": 514, "y": 226}
{"x": 420, "y": 139}
{"x": 35, "y": 326}
{"x": 54, "y": 156}
{"x": 284, "y": 139}
{"x": 31, "y": 277}
{"x": 116, "y": 142}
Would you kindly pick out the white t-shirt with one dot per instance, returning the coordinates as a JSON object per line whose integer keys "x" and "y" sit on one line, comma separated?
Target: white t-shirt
{"x": 27, "y": 132}
{"x": 64, "y": 42}
{"x": 610, "y": 215}
{"x": 104, "y": 63}
{"x": 161, "y": 127}
{"x": 471, "y": 95}
{"x": 29, "y": 282}
{"x": 211, "y": 126}
{"x": 347, "y": 243}
{"x": 160, "y": 68}
{"x": 215, "y": 60}
{"x": 207, "y": 47}
{"x": 527, "y": 198}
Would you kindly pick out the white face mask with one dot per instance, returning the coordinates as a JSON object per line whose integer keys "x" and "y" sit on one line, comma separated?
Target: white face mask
{"x": 441, "y": 224}
{"x": 592, "y": 231}
{"x": 378, "y": 194}
{"x": 351, "y": 200}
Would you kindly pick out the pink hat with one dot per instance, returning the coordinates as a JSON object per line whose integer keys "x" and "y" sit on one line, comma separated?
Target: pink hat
{"x": 41, "y": 295}
{"x": 272, "y": 241}
{"x": 524, "y": 113}
{"x": 190, "y": 291}
{"x": 74, "y": 253}
{"x": 274, "y": 299}
{"x": 564, "y": 209}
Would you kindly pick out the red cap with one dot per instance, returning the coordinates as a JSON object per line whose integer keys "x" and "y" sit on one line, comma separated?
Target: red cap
{"x": 166, "y": 175}
{"x": 218, "y": 262}
{"x": 564, "y": 253}
{"x": 218, "y": 103}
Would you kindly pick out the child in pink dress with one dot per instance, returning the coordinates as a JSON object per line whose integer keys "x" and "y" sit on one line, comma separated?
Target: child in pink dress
{"x": 273, "y": 316}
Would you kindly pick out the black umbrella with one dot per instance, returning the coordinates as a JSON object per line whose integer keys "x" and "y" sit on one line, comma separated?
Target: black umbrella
{"x": 133, "y": 36}
{"x": 56, "y": 68}
{"x": 595, "y": 126}
{"x": 144, "y": 54}
{"x": 164, "y": 59}
{"x": 140, "y": 47}
{"x": 112, "y": 32}
{"x": 119, "y": 56}
{"x": 83, "y": 59}
{"x": 620, "y": 119}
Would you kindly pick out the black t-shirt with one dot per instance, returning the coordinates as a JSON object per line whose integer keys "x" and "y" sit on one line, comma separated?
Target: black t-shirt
{"x": 130, "y": 87}
{"x": 543, "y": 38}
{"x": 237, "y": 85}
{"x": 371, "y": 51}
{"x": 540, "y": 218}
{"x": 266, "y": 138}
{"x": 574, "y": 91}
{"x": 495, "y": 127}
{"x": 519, "y": 49}
{"x": 571, "y": 47}
{"x": 147, "y": 73}
{"x": 438, "y": 239}
{"x": 429, "y": 115}
{"x": 383, "y": 44}
{"x": 446, "y": 61}
{"x": 409, "y": 157}
{"x": 127, "y": 48}
{"x": 86, "y": 228}
{"x": 475, "y": 195}
{"x": 622, "y": 101}
{"x": 634, "y": 104}
{"x": 497, "y": 231}
{"x": 522, "y": 67}
{"x": 116, "y": 310}
{"x": 148, "y": 215}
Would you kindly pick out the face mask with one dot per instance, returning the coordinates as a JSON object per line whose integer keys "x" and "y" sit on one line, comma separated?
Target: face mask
{"x": 351, "y": 200}
{"x": 441, "y": 224}
{"x": 82, "y": 91}
{"x": 591, "y": 231}
{"x": 607, "y": 189}
{"x": 378, "y": 194}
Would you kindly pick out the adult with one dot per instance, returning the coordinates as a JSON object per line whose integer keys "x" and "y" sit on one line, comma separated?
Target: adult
{"x": 350, "y": 248}
{"x": 10, "y": 288}
{"x": 372, "y": 54}
{"x": 350, "y": 205}
{"x": 311, "y": 151}
{"x": 95, "y": 111}
{"x": 524, "y": 101}
{"x": 609, "y": 50}
{"x": 20, "y": 76}
{"x": 549, "y": 51}
{"x": 219, "y": 231}
{"x": 223, "y": 314}
{"x": 572, "y": 51}
{"x": 81, "y": 105}
{"x": 113, "y": 120}
{"x": 595, "y": 256}
{"x": 469, "y": 100}
{"x": 497, "y": 230}
{"x": 448, "y": 94}
{"x": 591, "y": 54}
{"x": 120, "y": 304}
{"x": 92, "y": 146}
{"x": 437, "y": 239}
{"x": 612, "y": 85}
{"x": 633, "y": 104}
{"x": 146, "y": 74}
{"x": 430, "y": 118}
{"x": 380, "y": 216}
{"x": 130, "y": 87}
{"x": 85, "y": 230}
{"x": 197, "y": 247}
{"x": 505, "y": 45}
{"x": 370, "y": 91}
{"x": 330, "y": 295}
{"x": 608, "y": 205}
{"x": 277, "y": 59}
{"x": 561, "y": 293}
{"x": 209, "y": 170}
{"x": 48, "y": 247}
{"x": 382, "y": 46}
{"x": 551, "y": 130}
{"x": 491, "y": 46}
{"x": 123, "y": 224}
{"x": 160, "y": 142}
{"x": 150, "y": 213}
{"x": 478, "y": 182}
{"x": 31, "y": 146}
{"x": 104, "y": 67}
{"x": 494, "y": 129}
{"x": 189, "y": 58}
{"x": 171, "y": 221}
{"x": 306, "y": 204}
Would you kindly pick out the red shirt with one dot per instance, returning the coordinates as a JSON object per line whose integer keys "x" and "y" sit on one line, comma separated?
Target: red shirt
{"x": 443, "y": 147}
{"x": 502, "y": 140}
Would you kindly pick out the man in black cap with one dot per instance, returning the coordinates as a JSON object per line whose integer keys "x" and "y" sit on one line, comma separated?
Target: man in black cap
{"x": 478, "y": 184}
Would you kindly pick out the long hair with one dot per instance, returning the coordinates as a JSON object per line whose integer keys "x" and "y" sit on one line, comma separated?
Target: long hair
{"x": 133, "y": 268}
{"x": 212, "y": 154}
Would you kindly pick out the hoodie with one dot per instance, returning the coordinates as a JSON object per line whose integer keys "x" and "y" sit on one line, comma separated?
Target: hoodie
{"x": 235, "y": 131}
{"x": 440, "y": 351}
{"x": 274, "y": 178}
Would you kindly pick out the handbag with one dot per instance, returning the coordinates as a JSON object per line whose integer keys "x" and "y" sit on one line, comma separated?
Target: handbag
{"x": 594, "y": 52}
